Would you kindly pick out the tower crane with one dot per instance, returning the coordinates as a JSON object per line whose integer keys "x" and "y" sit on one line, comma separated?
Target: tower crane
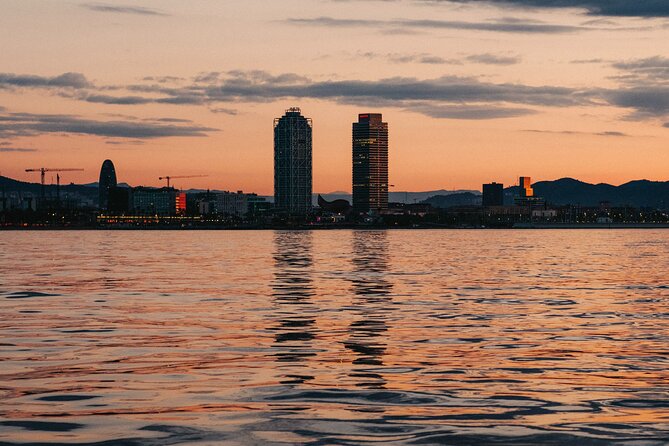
{"x": 43, "y": 170}
{"x": 170, "y": 177}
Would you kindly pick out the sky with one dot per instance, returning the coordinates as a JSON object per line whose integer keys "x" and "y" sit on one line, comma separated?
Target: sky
{"x": 473, "y": 91}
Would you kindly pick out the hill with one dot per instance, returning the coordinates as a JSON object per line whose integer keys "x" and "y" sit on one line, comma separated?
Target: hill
{"x": 457, "y": 199}
{"x": 640, "y": 193}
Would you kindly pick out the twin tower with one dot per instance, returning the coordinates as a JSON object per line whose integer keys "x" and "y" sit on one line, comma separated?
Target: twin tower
{"x": 293, "y": 165}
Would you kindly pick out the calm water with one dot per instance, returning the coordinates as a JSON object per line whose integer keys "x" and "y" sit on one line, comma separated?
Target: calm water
{"x": 335, "y": 337}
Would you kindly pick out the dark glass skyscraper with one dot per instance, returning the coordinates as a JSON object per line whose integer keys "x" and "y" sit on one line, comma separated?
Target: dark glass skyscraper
{"x": 107, "y": 181}
{"x": 370, "y": 163}
{"x": 292, "y": 163}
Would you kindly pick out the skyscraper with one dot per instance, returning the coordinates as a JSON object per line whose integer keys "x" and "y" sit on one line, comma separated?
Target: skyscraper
{"x": 292, "y": 163}
{"x": 106, "y": 182}
{"x": 370, "y": 163}
{"x": 493, "y": 194}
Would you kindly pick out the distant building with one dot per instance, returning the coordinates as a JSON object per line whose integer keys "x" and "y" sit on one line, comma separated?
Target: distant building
{"x": 235, "y": 204}
{"x": 292, "y": 163}
{"x": 545, "y": 214}
{"x": 525, "y": 186}
{"x": 370, "y": 163}
{"x": 180, "y": 203}
{"x": 340, "y": 206}
{"x": 119, "y": 200}
{"x": 493, "y": 194}
{"x": 151, "y": 201}
{"x": 526, "y": 195}
{"x": 106, "y": 182}
{"x": 257, "y": 206}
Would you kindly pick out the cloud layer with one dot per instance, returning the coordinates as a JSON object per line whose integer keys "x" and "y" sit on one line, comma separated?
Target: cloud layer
{"x": 504, "y": 25}
{"x": 643, "y": 91}
{"x": 16, "y": 149}
{"x": 65, "y": 80}
{"x": 629, "y": 8}
{"x": 29, "y": 124}
{"x": 121, "y": 9}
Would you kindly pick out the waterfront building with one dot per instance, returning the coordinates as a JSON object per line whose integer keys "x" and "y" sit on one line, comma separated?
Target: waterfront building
{"x": 106, "y": 182}
{"x": 493, "y": 194}
{"x": 119, "y": 200}
{"x": 526, "y": 195}
{"x": 525, "y": 186}
{"x": 151, "y": 201}
{"x": 293, "y": 163}
{"x": 370, "y": 164}
{"x": 237, "y": 204}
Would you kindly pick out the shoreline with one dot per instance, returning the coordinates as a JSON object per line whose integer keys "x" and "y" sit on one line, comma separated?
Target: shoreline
{"x": 517, "y": 226}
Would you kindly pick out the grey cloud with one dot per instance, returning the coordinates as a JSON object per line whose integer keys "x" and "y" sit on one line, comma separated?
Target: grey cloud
{"x": 118, "y": 100}
{"x": 179, "y": 120}
{"x": 65, "y": 80}
{"x": 28, "y": 124}
{"x": 573, "y": 132}
{"x": 448, "y": 96}
{"x": 647, "y": 102}
{"x": 227, "y": 111}
{"x": 469, "y": 112}
{"x": 651, "y": 70}
{"x": 644, "y": 87}
{"x": 422, "y": 58}
{"x": 163, "y": 79}
{"x": 588, "y": 61}
{"x": 102, "y": 7}
{"x": 446, "y": 89}
{"x": 492, "y": 59}
{"x": 622, "y": 8}
{"x": 502, "y": 25}
{"x": 124, "y": 143}
{"x": 16, "y": 149}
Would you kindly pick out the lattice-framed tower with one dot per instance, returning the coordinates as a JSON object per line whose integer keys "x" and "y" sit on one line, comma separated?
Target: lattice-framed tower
{"x": 293, "y": 163}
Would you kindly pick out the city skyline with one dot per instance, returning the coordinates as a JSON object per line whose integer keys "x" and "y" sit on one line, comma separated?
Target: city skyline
{"x": 472, "y": 92}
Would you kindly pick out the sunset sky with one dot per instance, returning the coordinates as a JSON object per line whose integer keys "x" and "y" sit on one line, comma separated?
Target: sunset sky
{"x": 473, "y": 91}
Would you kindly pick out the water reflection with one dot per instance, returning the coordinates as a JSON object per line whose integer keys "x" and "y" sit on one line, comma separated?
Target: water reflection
{"x": 371, "y": 302}
{"x": 292, "y": 292}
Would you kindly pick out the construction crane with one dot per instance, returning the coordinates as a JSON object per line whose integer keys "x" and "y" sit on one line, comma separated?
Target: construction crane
{"x": 43, "y": 170}
{"x": 170, "y": 177}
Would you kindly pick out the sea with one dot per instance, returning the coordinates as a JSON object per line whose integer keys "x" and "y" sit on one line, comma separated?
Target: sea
{"x": 334, "y": 337}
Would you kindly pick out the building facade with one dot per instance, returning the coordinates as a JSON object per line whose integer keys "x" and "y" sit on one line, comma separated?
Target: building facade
{"x": 493, "y": 194}
{"x": 107, "y": 181}
{"x": 150, "y": 201}
{"x": 231, "y": 204}
{"x": 293, "y": 163}
{"x": 370, "y": 164}
{"x": 525, "y": 185}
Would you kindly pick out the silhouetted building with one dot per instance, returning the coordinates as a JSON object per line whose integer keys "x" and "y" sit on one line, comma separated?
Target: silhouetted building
{"x": 107, "y": 181}
{"x": 493, "y": 194}
{"x": 339, "y": 206}
{"x": 292, "y": 163}
{"x": 119, "y": 200}
{"x": 370, "y": 163}
{"x": 150, "y": 201}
